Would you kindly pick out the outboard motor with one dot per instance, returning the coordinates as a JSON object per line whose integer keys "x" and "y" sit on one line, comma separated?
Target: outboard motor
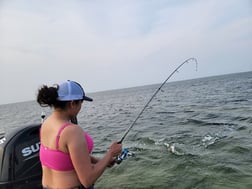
{"x": 20, "y": 167}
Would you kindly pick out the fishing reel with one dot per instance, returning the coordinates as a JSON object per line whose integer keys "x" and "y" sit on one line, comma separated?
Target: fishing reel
{"x": 124, "y": 155}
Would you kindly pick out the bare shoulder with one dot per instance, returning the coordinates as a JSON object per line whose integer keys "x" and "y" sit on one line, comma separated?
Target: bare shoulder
{"x": 75, "y": 140}
{"x": 72, "y": 138}
{"x": 73, "y": 130}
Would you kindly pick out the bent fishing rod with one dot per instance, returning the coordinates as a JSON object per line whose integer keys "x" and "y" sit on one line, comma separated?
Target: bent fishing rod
{"x": 146, "y": 105}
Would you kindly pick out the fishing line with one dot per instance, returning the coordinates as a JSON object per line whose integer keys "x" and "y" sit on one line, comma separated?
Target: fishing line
{"x": 141, "y": 112}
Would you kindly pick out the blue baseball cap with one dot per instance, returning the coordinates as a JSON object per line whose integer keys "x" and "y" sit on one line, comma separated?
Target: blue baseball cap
{"x": 71, "y": 90}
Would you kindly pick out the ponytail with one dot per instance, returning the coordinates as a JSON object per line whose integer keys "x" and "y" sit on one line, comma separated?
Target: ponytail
{"x": 47, "y": 96}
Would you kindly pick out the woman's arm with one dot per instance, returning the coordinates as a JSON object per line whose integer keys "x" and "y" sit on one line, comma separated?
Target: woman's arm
{"x": 94, "y": 160}
{"x": 87, "y": 172}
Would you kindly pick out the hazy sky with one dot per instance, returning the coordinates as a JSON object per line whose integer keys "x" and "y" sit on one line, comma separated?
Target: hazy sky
{"x": 110, "y": 44}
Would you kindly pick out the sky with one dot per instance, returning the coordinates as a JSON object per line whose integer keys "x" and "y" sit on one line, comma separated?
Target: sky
{"x": 114, "y": 44}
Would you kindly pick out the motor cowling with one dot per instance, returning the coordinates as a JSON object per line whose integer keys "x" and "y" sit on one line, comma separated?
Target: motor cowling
{"x": 20, "y": 167}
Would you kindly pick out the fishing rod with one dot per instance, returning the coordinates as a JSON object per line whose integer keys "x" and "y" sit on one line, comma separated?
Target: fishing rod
{"x": 141, "y": 112}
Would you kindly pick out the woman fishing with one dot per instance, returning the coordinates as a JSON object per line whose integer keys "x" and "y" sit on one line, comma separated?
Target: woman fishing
{"x": 65, "y": 148}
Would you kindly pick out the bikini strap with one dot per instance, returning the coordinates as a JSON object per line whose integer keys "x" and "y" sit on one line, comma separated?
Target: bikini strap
{"x": 58, "y": 135}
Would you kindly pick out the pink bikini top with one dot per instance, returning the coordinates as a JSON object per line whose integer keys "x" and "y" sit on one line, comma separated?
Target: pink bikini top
{"x": 58, "y": 160}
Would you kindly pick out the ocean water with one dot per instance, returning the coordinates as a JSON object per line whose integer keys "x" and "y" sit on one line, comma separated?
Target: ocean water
{"x": 195, "y": 134}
